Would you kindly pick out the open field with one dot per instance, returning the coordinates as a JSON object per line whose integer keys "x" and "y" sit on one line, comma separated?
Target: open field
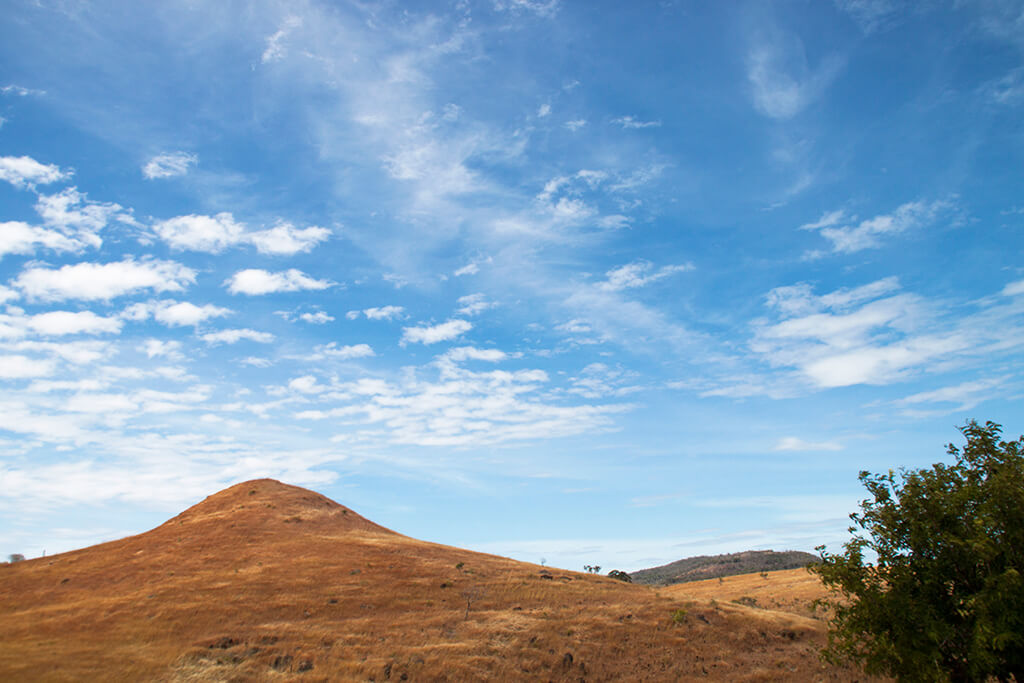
{"x": 269, "y": 582}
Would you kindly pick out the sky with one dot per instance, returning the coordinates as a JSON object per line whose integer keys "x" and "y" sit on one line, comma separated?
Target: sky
{"x": 569, "y": 282}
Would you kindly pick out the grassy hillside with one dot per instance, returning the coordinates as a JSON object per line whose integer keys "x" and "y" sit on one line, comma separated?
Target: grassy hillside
{"x": 268, "y": 582}
{"x": 715, "y": 566}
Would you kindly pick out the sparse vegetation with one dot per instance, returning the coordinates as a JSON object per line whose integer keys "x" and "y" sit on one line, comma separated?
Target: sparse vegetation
{"x": 944, "y": 600}
{"x": 344, "y": 599}
{"x": 715, "y": 566}
{"x": 679, "y": 616}
{"x": 16, "y": 557}
{"x": 620, "y": 575}
{"x": 592, "y": 568}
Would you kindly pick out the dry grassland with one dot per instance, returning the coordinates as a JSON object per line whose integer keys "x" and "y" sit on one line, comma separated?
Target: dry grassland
{"x": 268, "y": 582}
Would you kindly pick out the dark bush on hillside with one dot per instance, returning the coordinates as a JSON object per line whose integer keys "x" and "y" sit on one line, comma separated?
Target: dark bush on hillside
{"x": 620, "y": 575}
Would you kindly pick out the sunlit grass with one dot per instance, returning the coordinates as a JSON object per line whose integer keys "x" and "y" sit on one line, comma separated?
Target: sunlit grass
{"x": 282, "y": 582}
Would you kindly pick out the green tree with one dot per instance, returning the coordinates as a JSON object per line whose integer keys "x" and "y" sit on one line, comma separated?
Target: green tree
{"x": 944, "y": 598}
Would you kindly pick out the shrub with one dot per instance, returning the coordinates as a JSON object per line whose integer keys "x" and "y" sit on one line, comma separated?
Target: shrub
{"x": 944, "y": 600}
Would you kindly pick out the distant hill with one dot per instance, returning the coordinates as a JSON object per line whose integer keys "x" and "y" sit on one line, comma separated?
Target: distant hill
{"x": 269, "y": 582}
{"x": 715, "y": 566}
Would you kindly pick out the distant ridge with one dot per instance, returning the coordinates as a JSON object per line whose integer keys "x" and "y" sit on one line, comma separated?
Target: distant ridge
{"x": 715, "y": 566}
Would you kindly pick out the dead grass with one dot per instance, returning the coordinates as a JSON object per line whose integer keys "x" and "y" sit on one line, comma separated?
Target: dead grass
{"x": 267, "y": 582}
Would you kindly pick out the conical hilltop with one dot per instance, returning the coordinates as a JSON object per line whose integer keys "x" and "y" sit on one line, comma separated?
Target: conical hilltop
{"x": 265, "y": 581}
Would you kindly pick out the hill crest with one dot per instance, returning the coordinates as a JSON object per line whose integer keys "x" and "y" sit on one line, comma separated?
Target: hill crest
{"x": 266, "y": 501}
{"x": 266, "y": 581}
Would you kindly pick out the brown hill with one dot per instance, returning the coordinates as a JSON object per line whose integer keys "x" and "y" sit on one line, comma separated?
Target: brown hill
{"x": 268, "y": 582}
{"x": 715, "y": 566}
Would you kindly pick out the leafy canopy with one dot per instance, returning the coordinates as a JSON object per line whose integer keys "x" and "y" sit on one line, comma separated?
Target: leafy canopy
{"x": 944, "y": 600}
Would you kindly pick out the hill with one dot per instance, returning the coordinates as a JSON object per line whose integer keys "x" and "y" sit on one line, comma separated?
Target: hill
{"x": 269, "y": 582}
{"x": 715, "y": 566}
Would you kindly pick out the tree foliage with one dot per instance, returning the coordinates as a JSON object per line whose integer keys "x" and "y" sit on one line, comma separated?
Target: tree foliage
{"x": 620, "y": 575}
{"x": 944, "y": 598}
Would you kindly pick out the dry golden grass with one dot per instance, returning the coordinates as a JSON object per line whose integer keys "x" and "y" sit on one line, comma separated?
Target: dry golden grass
{"x": 268, "y": 582}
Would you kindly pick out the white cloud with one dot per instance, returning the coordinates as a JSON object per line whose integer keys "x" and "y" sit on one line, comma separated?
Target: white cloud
{"x": 544, "y": 8}
{"x": 23, "y": 367}
{"x": 91, "y": 281}
{"x": 57, "y": 323}
{"x": 597, "y": 380}
{"x": 473, "y": 304}
{"x": 200, "y": 233}
{"x": 213, "y": 234}
{"x": 317, "y": 318}
{"x": 461, "y": 353}
{"x": 781, "y": 81}
{"x": 1014, "y": 288}
{"x": 793, "y": 443}
{"x": 333, "y": 350}
{"x": 286, "y": 240}
{"x": 17, "y": 237}
{"x": 6, "y": 293}
{"x": 964, "y": 396}
{"x": 158, "y": 348}
{"x": 468, "y": 269}
{"x": 169, "y": 165}
{"x": 575, "y": 124}
{"x": 463, "y": 407}
{"x": 307, "y": 384}
{"x": 543, "y": 110}
{"x": 851, "y": 336}
{"x": 16, "y": 325}
{"x": 380, "y": 313}
{"x": 631, "y": 122}
{"x": 431, "y": 334}
{"x": 19, "y": 91}
{"x": 638, "y": 274}
{"x": 848, "y": 239}
{"x": 234, "y": 336}
{"x": 26, "y": 172}
{"x": 71, "y": 212}
{"x": 73, "y": 223}
{"x": 870, "y": 15}
{"x": 175, "y": 314}
{"x": 254, "y": 281}
{"x": 275, "y": 49}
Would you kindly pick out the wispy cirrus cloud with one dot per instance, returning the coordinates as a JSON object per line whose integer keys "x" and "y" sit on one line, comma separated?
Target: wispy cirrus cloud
{"x": 795, "y": 443}
{"x": 631, "y": 122}
{"x": 169, "y": 165}
{"x": 782, "y": 83}
{"x": 639, "y": 274}
{"x": 847, "y": 237}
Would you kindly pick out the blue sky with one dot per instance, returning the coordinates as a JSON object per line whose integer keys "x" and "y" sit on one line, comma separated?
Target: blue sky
{"x": 594, "y": 283}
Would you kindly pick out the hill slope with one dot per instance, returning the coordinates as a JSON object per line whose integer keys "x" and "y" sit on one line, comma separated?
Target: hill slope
{"x": 715, "y": 566}
{"x": 265, "y": 581}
